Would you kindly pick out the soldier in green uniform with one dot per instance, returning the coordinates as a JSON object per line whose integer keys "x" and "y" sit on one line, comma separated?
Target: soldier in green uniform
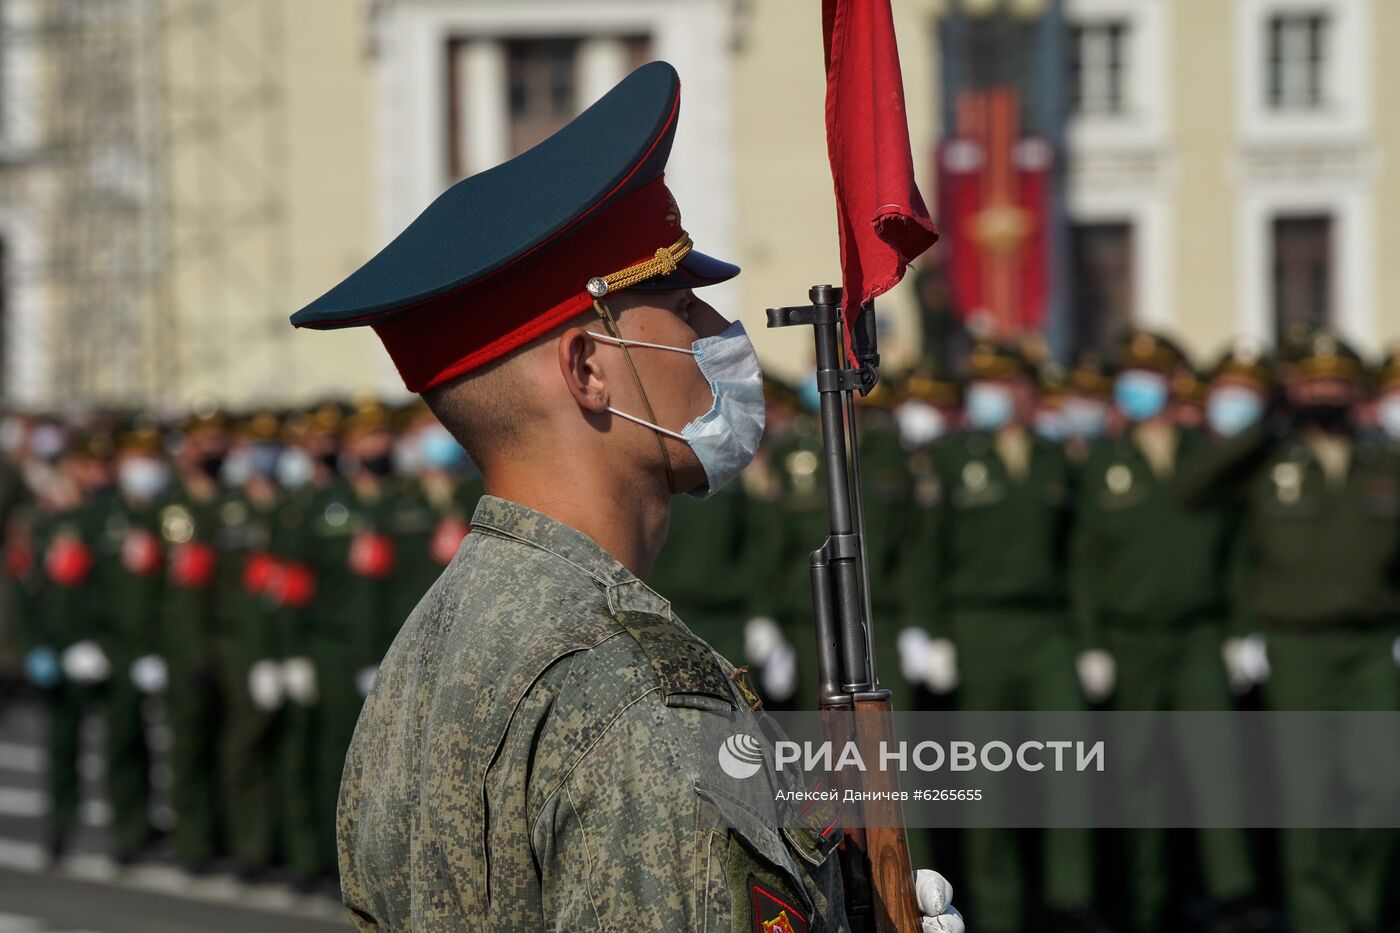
{"x": 1151, "y": 598}
{"x": 131, "y": 576}
{"x": 197, "y": 586}
{"x": 306, "y": 473}
{"x": 1241, "y": 387}
{"x": 994, "y": 553}
{"x": 1321, "y": 527}
{"x": 532, "y": 753}
{"x": 250, "y": 659}
{"x": 74, "y": 614}
{"x": 352, "y": 557}
{"x": 1087, "y": 404}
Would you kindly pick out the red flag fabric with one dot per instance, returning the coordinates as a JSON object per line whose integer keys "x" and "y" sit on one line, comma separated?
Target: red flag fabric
{"x": 882, "y": 220}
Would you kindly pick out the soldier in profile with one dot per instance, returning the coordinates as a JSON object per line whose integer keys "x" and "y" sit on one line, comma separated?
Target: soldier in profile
{"x": 530, "y": 755}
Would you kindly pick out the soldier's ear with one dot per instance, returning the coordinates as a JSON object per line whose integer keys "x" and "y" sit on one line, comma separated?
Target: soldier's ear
{"x": 581, "y": 366}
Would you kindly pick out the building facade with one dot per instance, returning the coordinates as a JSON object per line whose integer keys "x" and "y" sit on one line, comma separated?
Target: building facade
{"x": 1224, "y": 168}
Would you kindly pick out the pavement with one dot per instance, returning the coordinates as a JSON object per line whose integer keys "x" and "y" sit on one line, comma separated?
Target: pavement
{"x": 88, "y": 892}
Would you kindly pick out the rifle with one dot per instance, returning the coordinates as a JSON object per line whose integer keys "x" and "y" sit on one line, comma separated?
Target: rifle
{"x": 875, "y": 866}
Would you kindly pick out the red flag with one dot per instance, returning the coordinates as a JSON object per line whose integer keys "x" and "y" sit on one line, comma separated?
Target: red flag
{"x": 882, "y": 220}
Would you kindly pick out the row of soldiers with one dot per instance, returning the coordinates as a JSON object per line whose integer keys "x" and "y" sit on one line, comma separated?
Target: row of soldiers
{"x": 244, "y": 575}
{"x": 1127, "y": 535}
{"x": 1124, "y": 533}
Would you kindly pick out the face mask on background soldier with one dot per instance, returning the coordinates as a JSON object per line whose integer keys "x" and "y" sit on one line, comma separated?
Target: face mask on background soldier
{"x": 990, "y": 406}
{"x": 1140, "y": 394}
{"x": 1232, "y": 409}
{"x": 143, "y": 479}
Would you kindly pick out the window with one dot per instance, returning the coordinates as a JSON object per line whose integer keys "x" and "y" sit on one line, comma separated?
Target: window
{"x": 1098, "y": 68}
{"x": 1297, "y": 61}
{"x": 1102, "y": 258}
{"x": 1302, "y": 266}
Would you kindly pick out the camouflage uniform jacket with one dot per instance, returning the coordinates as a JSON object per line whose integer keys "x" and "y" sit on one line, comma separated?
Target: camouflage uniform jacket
{"x": 539, "y": 752}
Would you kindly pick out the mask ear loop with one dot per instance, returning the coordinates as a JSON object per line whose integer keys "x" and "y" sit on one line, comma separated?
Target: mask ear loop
{"x": 610, "y": 323}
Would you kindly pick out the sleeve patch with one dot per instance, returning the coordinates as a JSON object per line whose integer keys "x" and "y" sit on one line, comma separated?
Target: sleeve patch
{"x": 772, "y": 914}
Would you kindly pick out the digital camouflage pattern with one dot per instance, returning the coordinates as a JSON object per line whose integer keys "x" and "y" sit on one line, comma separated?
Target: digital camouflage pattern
{"x": 535, "y": 754}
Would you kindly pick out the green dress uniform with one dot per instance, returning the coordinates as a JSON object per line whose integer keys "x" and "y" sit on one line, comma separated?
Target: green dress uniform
{"x": 352, "y": 558}
{"x": 130, "y": 575}
{"x": 529, "y": 759}
{"x": 69, "y": 610}
{"x": 703, "y": 570}
{"x": 289, "y": 597}
{"x": 996, "y": 548}
{"x": 1323, "y": 587}
{"x": 251, "y": 671}
{"x": 1151, "y": 585}
{"x": 197, "y": 585}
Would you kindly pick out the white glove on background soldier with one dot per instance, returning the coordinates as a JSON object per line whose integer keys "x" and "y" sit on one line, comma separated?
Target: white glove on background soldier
{"x": 265, "y": 684}
{"x": 932, "y": 662}
{"x": 86, "y": 663}
{"x": 762, "y": 637}
{"x": 149, "y": 674}
{"x": 1246, "y": 662}
{"x": 299, "y": 681}
{"x": 779, "y": 675}
{"x": 935, "y": 896}
{"x": 1098, "y": 674}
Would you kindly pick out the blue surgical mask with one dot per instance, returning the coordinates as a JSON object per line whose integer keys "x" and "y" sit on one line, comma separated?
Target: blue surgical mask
{"x": 143, "y": 479}
{"x": 294, "y": 468}
{"x": 1050, "y": 425}
{"x": 990, "y": 407}
{"x": 1232, "y": 409}
{"x": 1085, "y": 417}
{"x": 439, "y": 449}
{"x": 726, "y": 437}
{"x": 1140, "y": 395}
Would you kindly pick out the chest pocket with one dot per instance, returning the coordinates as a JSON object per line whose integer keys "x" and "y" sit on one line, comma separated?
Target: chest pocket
{"x": 759, "y": 877}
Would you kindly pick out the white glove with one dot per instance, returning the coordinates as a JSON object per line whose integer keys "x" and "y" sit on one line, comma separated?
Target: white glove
{"x": 941, "y": 667}
{"x": 913, "y": 654}
{"x": 364, "y": 679}
{"x": 779, "y": 676}
{"x": 148, "y": 674}
{"x": 1246, "y": 662}
{"x": 86, "y": 663}
{"x": 1098, "y": 674}
{"x": 299, "y": 681}
{"x": 762, "y": 637}
{"x": 935, "y": 896}
{"x": 265, "y": 684}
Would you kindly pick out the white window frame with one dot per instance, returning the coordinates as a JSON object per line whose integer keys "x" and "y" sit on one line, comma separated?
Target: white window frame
{"x": 1143, "y": 122}
{"x": 1346, "y": 108}
{"x": 1149, "y": 218}
{"x": 411, "y": 40}
{"x": 1353, "y": 262}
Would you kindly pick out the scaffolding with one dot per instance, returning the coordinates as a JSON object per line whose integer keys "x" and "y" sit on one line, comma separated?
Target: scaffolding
{"x": 150, "y": 186}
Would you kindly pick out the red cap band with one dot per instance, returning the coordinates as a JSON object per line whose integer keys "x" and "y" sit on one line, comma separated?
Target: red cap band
{"x": 461, "y": 331}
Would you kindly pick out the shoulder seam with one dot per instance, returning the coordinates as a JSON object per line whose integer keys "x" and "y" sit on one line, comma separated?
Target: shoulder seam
{"x": 583, "y": 753}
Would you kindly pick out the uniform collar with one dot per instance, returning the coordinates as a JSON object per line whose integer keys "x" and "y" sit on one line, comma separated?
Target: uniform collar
{"x": 522, "y": 523}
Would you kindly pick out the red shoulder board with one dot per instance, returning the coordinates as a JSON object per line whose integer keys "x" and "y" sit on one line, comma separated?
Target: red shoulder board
{"x": 258, "y": 571}
{"x": 773, "y": 914}
{"x": 141, "y": 553}
{"x": 371, "y": 555}
{"x": 293, "y": 585}
{"x": 68, "y": 561}
{"x": 192, "y": 565}
{"x": 447, "y": 537}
